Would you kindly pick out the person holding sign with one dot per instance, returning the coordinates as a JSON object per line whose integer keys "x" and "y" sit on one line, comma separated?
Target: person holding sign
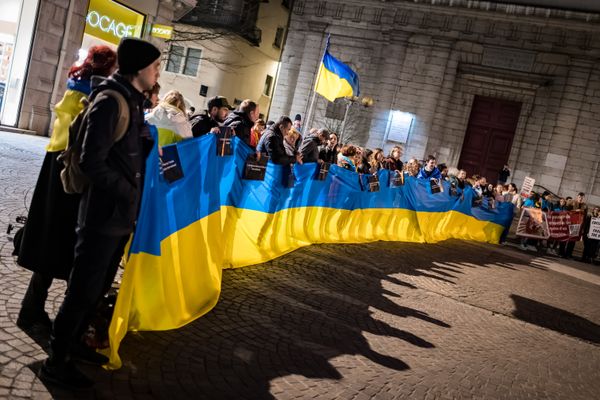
{"x": 591, "y": 236}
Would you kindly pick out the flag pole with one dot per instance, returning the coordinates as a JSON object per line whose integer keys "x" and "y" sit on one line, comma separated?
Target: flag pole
{"x": 343, "y": 129}
{"x": 310, "y": 112}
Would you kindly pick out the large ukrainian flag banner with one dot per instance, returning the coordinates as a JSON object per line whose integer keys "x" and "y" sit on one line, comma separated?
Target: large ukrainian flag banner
{"x": 212, "y": 219}
{"x": 335, "y": 78}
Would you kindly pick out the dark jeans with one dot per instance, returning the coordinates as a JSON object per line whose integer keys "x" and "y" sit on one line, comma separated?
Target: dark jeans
{"x": 590, "y": 249}
{"x": 33, "y": 305}
{"x": 95, "y": 264}
{"x": 566, "y": 249}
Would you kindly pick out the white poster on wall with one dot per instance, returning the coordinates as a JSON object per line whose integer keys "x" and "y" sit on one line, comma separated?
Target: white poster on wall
{"x": 399, "y": 126}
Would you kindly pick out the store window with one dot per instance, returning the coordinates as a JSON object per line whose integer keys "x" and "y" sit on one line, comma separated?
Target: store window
{"x": 17, "y": 21}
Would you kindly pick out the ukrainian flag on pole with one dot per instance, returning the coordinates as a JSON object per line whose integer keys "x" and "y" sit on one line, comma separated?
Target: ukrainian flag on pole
{"x": 335, "y": 78}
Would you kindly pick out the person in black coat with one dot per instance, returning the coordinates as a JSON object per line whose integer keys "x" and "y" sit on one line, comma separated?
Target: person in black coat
{"x": 310, "y": 145}
{"x": 108, "y": 208}
{"x": 242, "y": 120}
{"x": 48, "y": 237}
{"x": 272, "y": 142}
{"x": 218, "y": 110}
{"x": 329, "y": 152}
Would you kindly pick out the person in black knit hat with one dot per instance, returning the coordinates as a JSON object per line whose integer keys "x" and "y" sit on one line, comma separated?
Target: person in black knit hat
{"x": 115, "y": 169}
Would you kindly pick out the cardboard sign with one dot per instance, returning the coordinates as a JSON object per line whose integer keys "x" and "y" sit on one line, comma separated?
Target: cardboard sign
{"x": 170, "y": 166}
{"x": 528, "y": 184}
{"x": 224, "y": 141}
{"x": 453, "y": 190}
{"x": 594, "y": 232}
{"x": 373, "y": 183}
{"x": 288, "y": 179}
{"x": 396, "y": 178}
{"x": 436, "y": 185}
{"x": 255, "y": 169}
{"x": 323, "y": 171}
{"x": 533, "y": 224}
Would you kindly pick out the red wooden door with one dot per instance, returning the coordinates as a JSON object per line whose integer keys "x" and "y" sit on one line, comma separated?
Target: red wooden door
{"x": 489, "y": 136}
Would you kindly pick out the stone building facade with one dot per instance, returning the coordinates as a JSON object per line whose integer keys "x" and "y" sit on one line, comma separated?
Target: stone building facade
{"x": 451, "y": 63}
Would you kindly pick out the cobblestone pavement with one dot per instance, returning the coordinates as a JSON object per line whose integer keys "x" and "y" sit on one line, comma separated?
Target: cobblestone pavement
{"x": 455, "y": 320}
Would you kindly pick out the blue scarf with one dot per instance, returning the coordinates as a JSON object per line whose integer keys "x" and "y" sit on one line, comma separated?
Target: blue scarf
{"x": 349, "y": 161}
{"x": 81, "y": 85}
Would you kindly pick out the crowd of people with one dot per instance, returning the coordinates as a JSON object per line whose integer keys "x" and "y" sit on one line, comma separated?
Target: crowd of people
{"x": 81, "y": 237}
{"x": 285, "y": 142}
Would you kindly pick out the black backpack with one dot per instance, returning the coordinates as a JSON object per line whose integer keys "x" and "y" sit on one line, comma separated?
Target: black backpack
{"x": 73, "y": 179}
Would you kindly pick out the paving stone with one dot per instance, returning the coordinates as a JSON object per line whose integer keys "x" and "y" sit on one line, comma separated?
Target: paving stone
{"x": 371, "y": 321}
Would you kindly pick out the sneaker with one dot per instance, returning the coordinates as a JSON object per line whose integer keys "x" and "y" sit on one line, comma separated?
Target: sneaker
{"x": 81, "y": 352}
{"x": 523, "y": 247}
{"x": 532, "y": 248}
{"x": 64, "y": 374}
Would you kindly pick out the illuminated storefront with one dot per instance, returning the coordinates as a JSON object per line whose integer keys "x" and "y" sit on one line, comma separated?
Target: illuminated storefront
{"x": 17, "y": 22}
{"x": 40, "y": 40}
{"x": 107, "y": 22}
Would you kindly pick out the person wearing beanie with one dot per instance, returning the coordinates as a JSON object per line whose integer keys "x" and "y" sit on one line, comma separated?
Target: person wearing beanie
{"x": 109, "y": 205}
{"x": 48, "y": 237}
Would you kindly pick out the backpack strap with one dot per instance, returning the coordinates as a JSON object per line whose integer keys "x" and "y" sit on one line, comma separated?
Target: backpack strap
{"x": 124, "y": 115}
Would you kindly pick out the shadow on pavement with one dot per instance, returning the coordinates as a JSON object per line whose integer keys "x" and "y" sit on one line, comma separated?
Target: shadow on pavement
{"x": 291, "y": 316}
{"x": 553, "y": 318}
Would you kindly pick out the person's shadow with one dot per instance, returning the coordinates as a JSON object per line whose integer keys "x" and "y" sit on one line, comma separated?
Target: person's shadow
{"x": 295, "y": 315}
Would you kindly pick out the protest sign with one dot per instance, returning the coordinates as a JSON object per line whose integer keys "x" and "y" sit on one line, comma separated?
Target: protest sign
{"x": 527, "y": 186}
{"x": 170, "y": 165}
{"x": 558, "y": 224}
{"x": 594, "y": 232}
{"x": 575, "y": 223}
{"x": 255, "y": 168}
{"x": 533, "y": 224}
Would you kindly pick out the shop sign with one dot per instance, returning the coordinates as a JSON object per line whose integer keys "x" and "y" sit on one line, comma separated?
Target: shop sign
{"x": 111, "y": 21}
{"x": 162, "y": 31}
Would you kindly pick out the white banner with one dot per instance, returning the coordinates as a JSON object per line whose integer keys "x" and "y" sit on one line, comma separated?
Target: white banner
{"x": 594, "y": 232}
{"x": 527, "y": 186}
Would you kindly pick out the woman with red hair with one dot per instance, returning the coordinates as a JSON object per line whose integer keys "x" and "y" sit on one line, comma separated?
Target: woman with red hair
{"x": 47, "y": 241}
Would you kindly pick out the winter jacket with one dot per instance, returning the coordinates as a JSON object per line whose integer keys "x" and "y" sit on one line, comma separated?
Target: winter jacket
{"x": 424, "y": 174}
{"x": 310, "y": 149}
{"x": 202, "y": 124}
{"x": 66, "y": 110}
{"x": 172, "y": 124}
{"x": 328, "y": 155}
{"x": 503, "y": 175}
{"x": 272, "y": 142}
{"x": 115, "y": 169}
{"x": 241, "y": 124}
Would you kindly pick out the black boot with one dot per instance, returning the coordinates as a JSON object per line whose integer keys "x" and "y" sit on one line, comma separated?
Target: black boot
{"x": 81, "y": 352}
{"x": 65, "y": 374}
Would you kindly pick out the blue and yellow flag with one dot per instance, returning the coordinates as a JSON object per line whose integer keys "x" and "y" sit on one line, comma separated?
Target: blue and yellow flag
{"x": 190, "y": 229}
{"x": 335, "y": 78}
